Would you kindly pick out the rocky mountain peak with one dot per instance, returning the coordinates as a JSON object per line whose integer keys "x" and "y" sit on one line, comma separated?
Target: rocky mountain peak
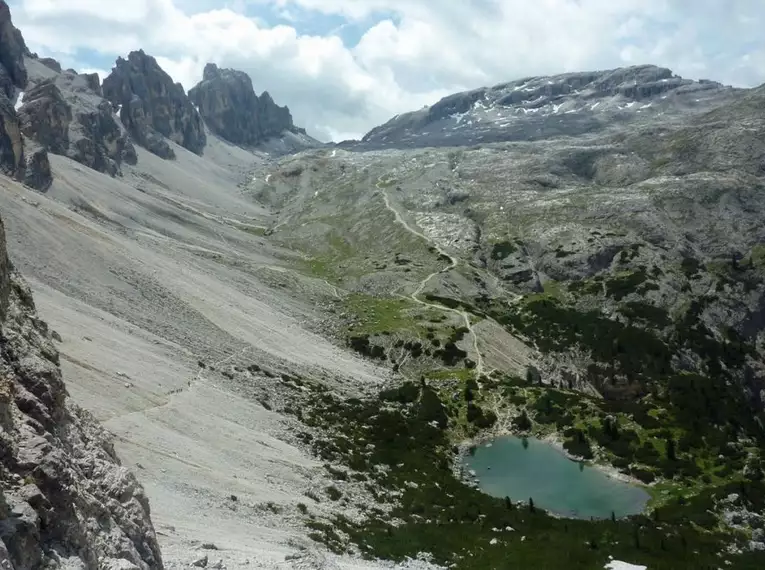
{"x": 152, "y": 106}
{"x": 228, "y": 103}
{"x": 211, "y": 71}
{"x": 542, "y": 107}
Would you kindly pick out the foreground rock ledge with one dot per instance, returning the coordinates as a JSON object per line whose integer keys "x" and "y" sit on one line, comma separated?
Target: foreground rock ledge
{"x": 65, "y": 500}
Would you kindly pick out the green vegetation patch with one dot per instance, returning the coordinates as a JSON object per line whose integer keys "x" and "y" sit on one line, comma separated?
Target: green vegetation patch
{"x": 757, "y": 256}
{"x": 626, "y": 283}
{"x": 400, "y": 443}
{"x": 503, "y": 249}
{"x": 646, "y": 313}
{"x": 377, "y": 314}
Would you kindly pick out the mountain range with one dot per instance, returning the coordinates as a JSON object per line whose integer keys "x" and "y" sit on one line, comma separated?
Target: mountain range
{"x": 225, "y": 344}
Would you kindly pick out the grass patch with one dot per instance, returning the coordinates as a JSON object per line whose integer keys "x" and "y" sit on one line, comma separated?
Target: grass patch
{"x": 757, "y": 256}
{"x": 463, "y": 374}
{"x": 377, "y": 315}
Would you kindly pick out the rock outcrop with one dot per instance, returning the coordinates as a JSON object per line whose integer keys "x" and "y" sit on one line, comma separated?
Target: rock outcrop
{"x": 37, "y": 171}
{"x": 12, "y": 52}
{"x": 227, "y": 102}
{"x": 45, "y": 116}
{"x": 51, "y": 63}
{"x": 65, "y": 501}
{"x": 66, "y": 115}
{"x": 152, "y": 107}
{"x": 13, "y": 76}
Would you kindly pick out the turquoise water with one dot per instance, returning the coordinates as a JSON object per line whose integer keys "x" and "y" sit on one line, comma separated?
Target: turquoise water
{"x": 505, "y": 468}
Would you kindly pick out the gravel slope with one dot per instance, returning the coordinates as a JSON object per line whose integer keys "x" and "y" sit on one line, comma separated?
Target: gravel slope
{"x": 148, "y": 275}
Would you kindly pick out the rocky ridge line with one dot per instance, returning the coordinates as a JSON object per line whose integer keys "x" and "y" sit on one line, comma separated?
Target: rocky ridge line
{"x": 545, "y": 107}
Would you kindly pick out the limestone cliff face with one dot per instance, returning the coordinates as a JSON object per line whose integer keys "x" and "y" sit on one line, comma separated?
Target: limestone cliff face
{"x": 65, "y": 114}
{"x": 65, "y": 501}
{"x": 13, "y": 76}
{"x": 228, "y": 103}
{"x": 12, "y": 51}
{"x": 153, "y": 107}
{"x": 46, "y": 116}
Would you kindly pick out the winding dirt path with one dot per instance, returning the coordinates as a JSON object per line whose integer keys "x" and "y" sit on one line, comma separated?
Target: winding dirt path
{"x": 452, "y": 264}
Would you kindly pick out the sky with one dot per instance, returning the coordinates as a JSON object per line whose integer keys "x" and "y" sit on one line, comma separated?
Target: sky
{"x": 346, "y": 66}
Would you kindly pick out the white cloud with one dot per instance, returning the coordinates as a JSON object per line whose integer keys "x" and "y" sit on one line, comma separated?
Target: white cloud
{"x": 414, "y": 52}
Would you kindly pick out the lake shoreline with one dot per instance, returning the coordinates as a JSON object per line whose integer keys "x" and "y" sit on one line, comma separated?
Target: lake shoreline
{"x": 554, "y": 440}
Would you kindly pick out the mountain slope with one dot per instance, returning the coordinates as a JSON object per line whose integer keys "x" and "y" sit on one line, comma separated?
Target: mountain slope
{"x": 65, "y": 501}
{"x": 178, "y": 320}
{"x": 534, "y": 108}
{"x": 618, "y": 262}
{"x": 294, "y": 352}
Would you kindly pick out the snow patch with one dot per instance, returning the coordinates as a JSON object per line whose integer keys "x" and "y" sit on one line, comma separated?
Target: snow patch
{"x": 334, "y": 152}
{"x": 556, "y": 107}
{"x": 630, "y": 104}
{"x": 595, "y": 105}
{"x": 618, "y": 565}
{"x": 17, "y": 105}
{"x": 646, "y": 106}
{"x": 459, "y": 117}
{"x": 268, "y": 177}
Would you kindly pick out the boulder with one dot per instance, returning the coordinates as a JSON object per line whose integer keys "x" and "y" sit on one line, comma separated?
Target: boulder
{"x": 37, "y": 172}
